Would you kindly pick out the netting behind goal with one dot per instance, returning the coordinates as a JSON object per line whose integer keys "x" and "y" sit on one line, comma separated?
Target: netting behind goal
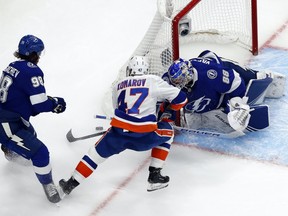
{"x": 178, "y": 22}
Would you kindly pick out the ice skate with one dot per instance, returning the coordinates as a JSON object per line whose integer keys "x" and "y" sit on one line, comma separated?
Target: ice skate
{"x": 67, "y": 186}
{"x": 51, "y": 192}
{"x": 155, "y": 180}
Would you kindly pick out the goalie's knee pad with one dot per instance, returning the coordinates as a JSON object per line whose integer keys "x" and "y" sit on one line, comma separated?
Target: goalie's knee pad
{"x": 277, "y": 87}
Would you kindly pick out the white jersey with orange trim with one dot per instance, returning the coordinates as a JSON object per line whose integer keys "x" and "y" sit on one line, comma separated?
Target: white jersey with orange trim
{"x": 135, "y": 99}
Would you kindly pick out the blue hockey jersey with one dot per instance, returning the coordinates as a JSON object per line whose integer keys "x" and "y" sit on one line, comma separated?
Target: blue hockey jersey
{"x": 22, "y": 90}
{"x": 213, "y": 84}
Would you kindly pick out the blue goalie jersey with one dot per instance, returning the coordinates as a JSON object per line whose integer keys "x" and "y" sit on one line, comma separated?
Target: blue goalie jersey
{"x": 213, "y": 84}
{"x": 22, "y": 90}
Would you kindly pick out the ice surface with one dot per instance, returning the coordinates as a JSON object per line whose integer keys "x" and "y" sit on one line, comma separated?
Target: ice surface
{"x": 86, "y": 44}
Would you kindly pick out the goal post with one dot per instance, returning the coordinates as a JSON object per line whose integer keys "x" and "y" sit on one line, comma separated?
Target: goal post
{"x": 254, "y": 27}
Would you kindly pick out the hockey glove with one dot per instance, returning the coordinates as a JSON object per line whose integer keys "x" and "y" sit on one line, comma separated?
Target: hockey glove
{"x": 239, "y": 114}
{"x": 59, "y": 104}
{"x": 165, "y": 113}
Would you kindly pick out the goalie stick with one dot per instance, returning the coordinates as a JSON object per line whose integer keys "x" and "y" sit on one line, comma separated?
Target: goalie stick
{"x": 70, "y": 137}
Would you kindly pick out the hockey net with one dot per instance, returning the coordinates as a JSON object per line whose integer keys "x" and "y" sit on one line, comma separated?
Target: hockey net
{"x": 179, "y": 22}
{"x": 219, "y": 21}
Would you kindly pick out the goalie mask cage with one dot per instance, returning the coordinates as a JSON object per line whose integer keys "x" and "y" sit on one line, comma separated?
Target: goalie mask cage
{"x": 219, "y": 21}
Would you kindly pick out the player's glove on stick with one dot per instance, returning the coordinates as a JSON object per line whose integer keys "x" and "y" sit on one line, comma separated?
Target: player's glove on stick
{"x": 165, "y": 113}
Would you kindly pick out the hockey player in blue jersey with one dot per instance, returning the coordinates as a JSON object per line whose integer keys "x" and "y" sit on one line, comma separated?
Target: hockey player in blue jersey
{"x": 134, "y": 125}
{"x": 217, "y": 92}
{"x": 22, "y": 95}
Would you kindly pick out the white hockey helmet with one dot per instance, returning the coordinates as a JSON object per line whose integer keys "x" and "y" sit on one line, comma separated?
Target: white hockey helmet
{"x": 137, "y": 66}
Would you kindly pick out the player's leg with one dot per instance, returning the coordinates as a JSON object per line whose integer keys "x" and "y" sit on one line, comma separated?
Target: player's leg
{"x": 113, "y": 142}
{"x": 162, "y": 140}
{"x": 214, "y": 120}
{"x": 22, "y": 140}
{"x": 109, "y": 144}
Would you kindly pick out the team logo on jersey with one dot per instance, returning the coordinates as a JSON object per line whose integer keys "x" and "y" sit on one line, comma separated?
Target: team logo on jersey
{"x": 198, "y": 105}
{"x": 212, "y": 74}
{"x": 31, "y": 65}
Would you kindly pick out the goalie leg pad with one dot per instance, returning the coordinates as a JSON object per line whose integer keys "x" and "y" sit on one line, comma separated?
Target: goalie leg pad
{"x": 259, "y": 118}
{"x": 277, "y": 87}
{"x": 257, "y": 89}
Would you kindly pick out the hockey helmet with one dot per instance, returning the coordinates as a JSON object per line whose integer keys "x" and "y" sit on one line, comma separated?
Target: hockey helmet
{"x": 29, "y": 44}
{"x": 179, "y": 73}
{"x": 137, "y": 65}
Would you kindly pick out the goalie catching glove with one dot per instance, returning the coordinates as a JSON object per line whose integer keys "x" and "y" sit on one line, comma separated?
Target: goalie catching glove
{"x": 239, "y": 114}
{"x": 59, "y": 104}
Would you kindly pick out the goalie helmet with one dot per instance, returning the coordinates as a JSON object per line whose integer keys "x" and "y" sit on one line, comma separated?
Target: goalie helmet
{"x": 30, "y": 44}
{"x": 179, "y": 73}
{"x": 137, "y": 66}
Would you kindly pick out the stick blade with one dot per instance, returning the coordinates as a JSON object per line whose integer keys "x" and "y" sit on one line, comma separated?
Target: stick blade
{"x": 70, "y": 136}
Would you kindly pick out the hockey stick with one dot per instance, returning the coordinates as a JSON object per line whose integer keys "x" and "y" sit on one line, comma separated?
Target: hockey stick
{"x": 230, "y": 135}
{"x": 71, "y": 138}
{"x": 103, "y": 117}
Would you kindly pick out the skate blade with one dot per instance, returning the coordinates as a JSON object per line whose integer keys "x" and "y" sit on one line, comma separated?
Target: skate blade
{"x": 61, "y": 192}
{"x": 156, "y": 186}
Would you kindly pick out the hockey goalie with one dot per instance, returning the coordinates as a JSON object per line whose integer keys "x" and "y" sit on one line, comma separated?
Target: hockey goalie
{"x": 223, "y": 96}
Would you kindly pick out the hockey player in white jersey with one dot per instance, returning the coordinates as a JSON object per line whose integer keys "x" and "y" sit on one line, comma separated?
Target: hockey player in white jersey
{"x": 134, "y": 125}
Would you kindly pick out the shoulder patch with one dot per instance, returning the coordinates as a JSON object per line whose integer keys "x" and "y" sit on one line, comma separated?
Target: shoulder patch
{"x": 212, "y": 74}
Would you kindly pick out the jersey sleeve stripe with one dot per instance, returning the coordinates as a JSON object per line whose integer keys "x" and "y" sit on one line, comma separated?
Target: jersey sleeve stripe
{"x": 178, "y": 106}
{"x": 179, "y": 101}
{"x": 38, "y": 98}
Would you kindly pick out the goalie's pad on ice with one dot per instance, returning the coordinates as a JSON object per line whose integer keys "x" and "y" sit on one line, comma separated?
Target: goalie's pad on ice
{"x": 268, "y": 84}
{"x": 259, "y": 118}
{"x": 256, "y": 90}
{"x": 277, "y": 87}
{"x": 215, "y": 123}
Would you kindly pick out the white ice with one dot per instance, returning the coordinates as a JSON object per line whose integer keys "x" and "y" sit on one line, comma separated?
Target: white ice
{"x": 86, "y": 44}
